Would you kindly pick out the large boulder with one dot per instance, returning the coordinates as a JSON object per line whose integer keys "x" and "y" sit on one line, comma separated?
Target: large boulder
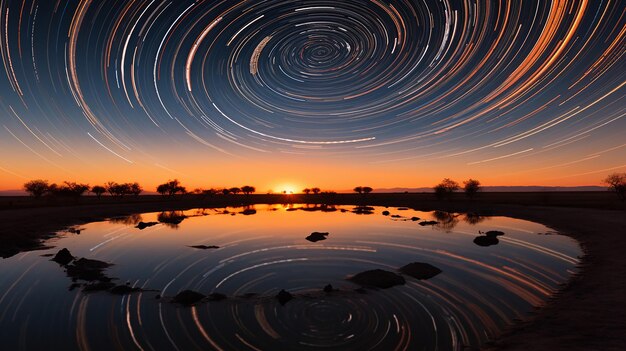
{"x": 378, "y": 278}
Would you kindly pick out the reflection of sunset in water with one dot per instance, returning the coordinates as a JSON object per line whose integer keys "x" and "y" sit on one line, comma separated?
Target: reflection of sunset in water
{"x": 249, "y": 254}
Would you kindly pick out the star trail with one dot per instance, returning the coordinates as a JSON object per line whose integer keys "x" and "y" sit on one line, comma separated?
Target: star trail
{"x": 516, "y": 92}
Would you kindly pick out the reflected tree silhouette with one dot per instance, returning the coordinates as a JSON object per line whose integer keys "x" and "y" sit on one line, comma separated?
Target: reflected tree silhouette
{"x": 473, "y": 218}
{"x": 132, "y": 219}
{"x": 171, "y": 218}
{"x": 446, "y": 220}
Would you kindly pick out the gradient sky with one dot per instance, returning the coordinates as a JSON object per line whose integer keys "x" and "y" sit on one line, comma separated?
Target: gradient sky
{"x": 312, "y": 93}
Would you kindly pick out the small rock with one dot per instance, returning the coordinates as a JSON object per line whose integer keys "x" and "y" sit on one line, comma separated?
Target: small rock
{"x": 415, "y": 219}
{"x": 204, "y": 247}
{"x": 63, "y": 257}
{"x": 328, "y": 288}
{"x": 217, "y": 297}
{"x": 419, "y": 270}
{"x": 484, "y": 240}
{"x": 494, "y": 233}
{"x": 385, "y": 213}
{"x": 425, "y": 223}
{"x": 317, "y": 236}
{"x": 248, "y": 212}
{"x": 188, "y": 297}
{"x": 284, "y": 297}
{"x": 144, "y": 225}
{"x": 378, "y": 278}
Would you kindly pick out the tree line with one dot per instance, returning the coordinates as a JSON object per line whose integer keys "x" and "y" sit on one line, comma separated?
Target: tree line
{"x": 37, "y": 188}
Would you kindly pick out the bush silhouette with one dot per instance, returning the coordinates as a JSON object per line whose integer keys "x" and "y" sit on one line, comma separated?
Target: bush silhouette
{"x": 98, "y": 190}
{"x": 247, "y": 189}
{"x": 446, "y": 188}
{"x": 37, "y": 188}
{"x": 171, "y": 188}
{"x": 471, "y": 187}
{"x": 617, "y": 184}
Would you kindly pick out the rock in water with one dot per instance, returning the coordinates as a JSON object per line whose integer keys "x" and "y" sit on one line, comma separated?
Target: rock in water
{"x": 144, "y": 225}
{"x": 385, "y": 213}
{"x": 317, "y": 236}
{"x": 378, "y": 278}
{"x": 419, "y": 270}
{"x": 217, "y": 297}
{"x": 204, "y": 247}
{"x": 188, "y": 297}
{"x": 424, "y": 223}
{"x": 494, "y": 233}
{"x": 284, "y": 297}
{"x": 88, "y": 270}
{"x": 484, "y": 240}
{"x": 63, "y": 257}
{"x": 328, "y": 288}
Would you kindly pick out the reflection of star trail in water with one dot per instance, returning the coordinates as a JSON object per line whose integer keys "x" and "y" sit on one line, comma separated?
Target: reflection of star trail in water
{"x": 476, "y": 292}
{"x": 477, "y": 82}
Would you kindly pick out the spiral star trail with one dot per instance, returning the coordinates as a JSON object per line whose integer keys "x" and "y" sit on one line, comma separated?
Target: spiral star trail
{"x": 522, "y": 92}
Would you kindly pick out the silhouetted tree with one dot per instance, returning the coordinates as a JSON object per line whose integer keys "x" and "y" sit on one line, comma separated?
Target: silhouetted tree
{"x": 135, "y": 188}
{"x": 98, "y": 190}
{"x": 446, "y": 188}
{"x": 162, "y": 189}
{"x": 210, "y": 192}
{"x": 247, "y": 189}
{"x": 306, "y": 191}
{"x": 171, "y": 188}
{"x": 197, "y": 191}
{"x": 110, "y": 187}
{"x": 119, "y": 190}
{"x": 68, "y": 189}
{"x": 471, "y": 187}
{"x": 235, "y": 190}
{"x": 37, "y": 187}
{"x": 617, "y": 184}
{"x": 358, "y": 189}
{"x": 316, "y": 190}
{"x": 225, "y": 191}
{"x": 367, "y": 190}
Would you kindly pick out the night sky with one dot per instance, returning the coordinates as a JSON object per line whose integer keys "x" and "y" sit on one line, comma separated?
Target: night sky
{"x": 324, "y": 93}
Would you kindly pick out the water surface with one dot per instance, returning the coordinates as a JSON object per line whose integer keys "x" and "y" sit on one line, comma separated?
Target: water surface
{"x": 251, "y": 255}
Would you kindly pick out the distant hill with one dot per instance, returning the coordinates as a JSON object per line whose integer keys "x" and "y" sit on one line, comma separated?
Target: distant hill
{"x": 496, "y": 189}
{"x": 12, "y": 192}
